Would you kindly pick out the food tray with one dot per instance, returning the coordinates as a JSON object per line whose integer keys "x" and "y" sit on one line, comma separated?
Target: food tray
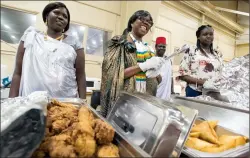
{"x": 126, "y": 149}
{"x": 235, "y": 152}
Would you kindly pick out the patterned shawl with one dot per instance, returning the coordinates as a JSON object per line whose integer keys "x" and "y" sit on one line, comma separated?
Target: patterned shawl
{"x": 120, "y": 55}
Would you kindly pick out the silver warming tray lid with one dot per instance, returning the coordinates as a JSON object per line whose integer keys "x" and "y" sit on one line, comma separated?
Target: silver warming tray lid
{"x": 156, "y": 126}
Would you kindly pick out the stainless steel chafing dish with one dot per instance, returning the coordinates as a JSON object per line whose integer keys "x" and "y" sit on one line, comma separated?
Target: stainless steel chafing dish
{"x": 126, "y": 148}
{"x": 232, "y": 121}
{"x": 156, "y": 126}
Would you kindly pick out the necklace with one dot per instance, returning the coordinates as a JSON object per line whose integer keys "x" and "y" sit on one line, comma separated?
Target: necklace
{"x": 58, "y": 38}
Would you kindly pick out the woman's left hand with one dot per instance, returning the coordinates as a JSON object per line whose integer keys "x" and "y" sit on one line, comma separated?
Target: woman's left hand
{"x": 159, "y": 79}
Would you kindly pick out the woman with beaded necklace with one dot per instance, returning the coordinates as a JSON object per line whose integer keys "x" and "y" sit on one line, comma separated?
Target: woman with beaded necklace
{"x": 50, "y": 61}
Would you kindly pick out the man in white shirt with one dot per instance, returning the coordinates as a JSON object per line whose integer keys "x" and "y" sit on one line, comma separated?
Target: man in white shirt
{"x": 165, "y": 88}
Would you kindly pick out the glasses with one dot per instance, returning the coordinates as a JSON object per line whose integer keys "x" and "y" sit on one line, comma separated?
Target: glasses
{"x": 144, "y": 20}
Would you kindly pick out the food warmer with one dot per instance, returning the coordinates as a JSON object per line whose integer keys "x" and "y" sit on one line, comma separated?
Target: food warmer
{"x": 126, "y": 148}
{"x": 158, "y": 127}
{"x": 231, "y": 121}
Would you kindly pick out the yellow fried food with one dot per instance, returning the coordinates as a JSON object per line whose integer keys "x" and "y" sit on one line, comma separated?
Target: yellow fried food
{"x": 109, "y": 150}
{"x": 206, "y": 132}
{"x": 60, "y": 149}
{"x": 213, "y": 123}
{"x": 74, "y": 133}
{"x": 85, "y": 127}
{"x": 85, "y": 114}
{"x": 194, "y": 134}
{"x": 60, "y": 125}
{"x": 61, "y": 146}
{"x": 208, "y": 143}
{"x": 85, "y": 145}
{"x": 228, "y": 142}
{"x": 198, "y": 144}
{"x": 104, "y": 133}
{"x": 38, "y": 154}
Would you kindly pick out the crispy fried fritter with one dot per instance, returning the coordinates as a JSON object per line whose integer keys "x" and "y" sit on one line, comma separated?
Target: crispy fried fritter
{"x": 60, "y": 125}
{"x": 85, "y": 145}
{"x": 61, "y": 146}
{"x": 73, "y": 133}
{"x": 85, "y": 114}
{"x": 38, "y": 154}
{"x": 109, "y": 150}
{"x": 60, "y": 149}
{"x": 85, "y": 127}
{"x": 104, "y": 133}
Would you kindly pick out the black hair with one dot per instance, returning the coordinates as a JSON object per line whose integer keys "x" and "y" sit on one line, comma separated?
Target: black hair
{"x": 198, "y": 44}
{"x": 134, "y": 17}
{"x": 52, "y": 6}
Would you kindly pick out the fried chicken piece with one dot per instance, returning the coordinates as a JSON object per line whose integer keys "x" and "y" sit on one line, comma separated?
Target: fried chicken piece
{"x": 109, "y": 150}
{"x": 38, "y": 154}
{"x": 60, "y": 125}
{"x": 64, "y": 105}
{"x": 85, "y": 145}
{"x": 61, "y": 146}
{"x": 85, "y": 127}
{"x": 84, "y": 114}
{"x": 58, "y": 111}
{"x": 104, "y": 133}
{"x": 48, "y": 122}
{"x": 60, "y": 149}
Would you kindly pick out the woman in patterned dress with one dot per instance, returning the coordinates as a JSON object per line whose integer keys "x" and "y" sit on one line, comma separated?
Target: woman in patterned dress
{"x": 126, "y": 61}
{"x": 201, "y": 62}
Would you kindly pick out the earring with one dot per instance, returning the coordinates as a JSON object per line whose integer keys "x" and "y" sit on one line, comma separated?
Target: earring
{"x": 46, "y": 23}
{"x": 63, "y": 31}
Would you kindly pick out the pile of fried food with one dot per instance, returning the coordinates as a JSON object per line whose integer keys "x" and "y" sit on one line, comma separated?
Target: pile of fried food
{"x": 74, "y": 132}
{"x": 204, "y": 138}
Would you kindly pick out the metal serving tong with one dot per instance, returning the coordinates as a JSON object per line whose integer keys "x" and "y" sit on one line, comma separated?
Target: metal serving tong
{"x": 184, "y": 48}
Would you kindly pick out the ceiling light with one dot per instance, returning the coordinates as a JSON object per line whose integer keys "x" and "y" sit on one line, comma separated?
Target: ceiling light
{"x": 6, "y": 26}
{"x": 88, "y": 48}
{"x": 13, "y": 36}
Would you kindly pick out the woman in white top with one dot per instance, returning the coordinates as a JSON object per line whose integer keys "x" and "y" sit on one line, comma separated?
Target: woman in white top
{"x": 201, "y": 62}
{"x": 50, "y": 61}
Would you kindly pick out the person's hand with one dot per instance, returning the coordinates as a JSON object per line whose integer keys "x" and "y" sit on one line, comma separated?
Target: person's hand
{"x": 209, "y": 84}
{"x": 159, "y": 79}
{"x": 152, "y": 63}
{"x": 153, "y": 73}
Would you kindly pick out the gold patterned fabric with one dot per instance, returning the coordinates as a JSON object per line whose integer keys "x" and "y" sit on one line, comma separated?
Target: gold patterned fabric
{"x": 120, "y": 55}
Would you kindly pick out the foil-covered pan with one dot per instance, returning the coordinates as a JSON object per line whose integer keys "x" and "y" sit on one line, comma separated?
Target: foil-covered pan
{"x": 232, "y": 85}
